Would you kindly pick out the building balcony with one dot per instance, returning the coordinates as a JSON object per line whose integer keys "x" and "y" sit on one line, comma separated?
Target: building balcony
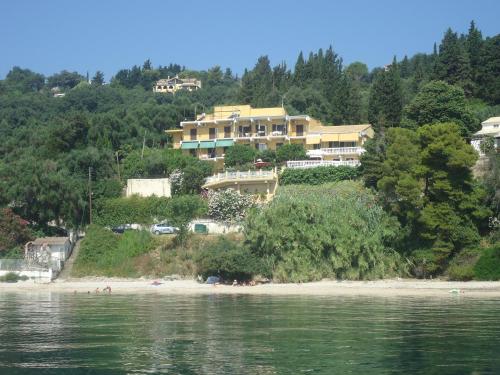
{"x": 335, "y": 151}
{"x": 249, "y": 176}
{"x": 301, "y": 164}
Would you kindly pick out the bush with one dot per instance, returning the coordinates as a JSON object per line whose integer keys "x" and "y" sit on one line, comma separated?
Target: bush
{"x": 291, "y": 151}
{"x": 488, "y": 265}
{"x": 318, "y": 175}
{"x": 228, "y": 260}
{"x": 10, "y": 277}
{"x": 228, "y": 206}
{"x": 104, "y": 253}
{"x": 333, "y": 230}
{"x": 461, "y": 268}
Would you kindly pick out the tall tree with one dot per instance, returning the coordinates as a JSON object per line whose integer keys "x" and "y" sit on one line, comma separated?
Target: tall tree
{"x": 440, "y": 102}
{"x": 98, "y": 79}
{"x": 386, "y": 98}
{"x": 452, "y": 64}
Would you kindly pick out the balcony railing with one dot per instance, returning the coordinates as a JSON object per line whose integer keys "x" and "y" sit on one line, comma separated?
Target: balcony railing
{"x": 236, "y": 176}
{"x": 336, "y": 151}
{"x": 321, "y": 163}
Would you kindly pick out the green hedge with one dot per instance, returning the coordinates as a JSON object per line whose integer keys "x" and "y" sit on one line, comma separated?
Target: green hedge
{"x": 488, "y": 265}
{"x": 318, "y": 175}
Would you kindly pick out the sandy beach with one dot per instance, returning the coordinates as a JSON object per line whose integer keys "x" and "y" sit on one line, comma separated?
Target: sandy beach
{"x": 383, "y": 288}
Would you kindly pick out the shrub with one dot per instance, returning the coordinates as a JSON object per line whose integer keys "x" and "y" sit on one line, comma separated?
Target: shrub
{"x": 488, "y": 265}
{"x": 461, "y": 268}
{"x": 13, "y": 231}
{"x": 228, "y": 206}
{"x": 318, "y": 175}
{"x": 105, "y": 253}
{"x": 228, "y": 260}
{"x": 10, "y": 277}
{"x": 333, "y": 230}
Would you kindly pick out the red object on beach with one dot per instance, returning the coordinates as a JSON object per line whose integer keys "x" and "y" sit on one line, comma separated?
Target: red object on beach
{"x": 156, "y": 283}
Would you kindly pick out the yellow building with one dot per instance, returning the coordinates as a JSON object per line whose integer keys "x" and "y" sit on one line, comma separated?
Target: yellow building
{"x": 209, "y": 136}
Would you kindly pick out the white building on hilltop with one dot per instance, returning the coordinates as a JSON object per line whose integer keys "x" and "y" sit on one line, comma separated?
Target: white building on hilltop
{"x": 490, "y": 128}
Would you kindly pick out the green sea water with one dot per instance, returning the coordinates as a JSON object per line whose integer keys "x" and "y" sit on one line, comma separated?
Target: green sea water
{"x": 49, "y": 333}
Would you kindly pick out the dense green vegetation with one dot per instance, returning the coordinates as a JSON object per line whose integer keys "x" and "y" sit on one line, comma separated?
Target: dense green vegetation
{"x": 104, "y": 253}
{"x": 331, "y": 230}
{"x": 318, "y": 175}
{"x": 488, "y": 265}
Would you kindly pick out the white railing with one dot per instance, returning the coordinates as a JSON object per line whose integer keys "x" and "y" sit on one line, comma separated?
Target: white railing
{"x": 336, "y": 151}
{"x": 321, "y": 163}
{"x": 234, "y": 176}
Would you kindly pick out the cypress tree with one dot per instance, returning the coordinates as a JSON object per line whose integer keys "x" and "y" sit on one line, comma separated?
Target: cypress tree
{"x": 452, "y": 63}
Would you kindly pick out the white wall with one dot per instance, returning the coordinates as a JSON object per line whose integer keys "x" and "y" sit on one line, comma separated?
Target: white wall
{"x": 146, "y": 187}
{"x": 214, "y": 227}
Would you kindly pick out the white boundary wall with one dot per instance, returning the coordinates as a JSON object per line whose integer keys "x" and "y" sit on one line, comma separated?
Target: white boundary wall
{"x": 146, "y": 187}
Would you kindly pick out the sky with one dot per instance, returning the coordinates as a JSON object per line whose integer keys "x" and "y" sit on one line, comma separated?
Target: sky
{"x": 48, "y": 36}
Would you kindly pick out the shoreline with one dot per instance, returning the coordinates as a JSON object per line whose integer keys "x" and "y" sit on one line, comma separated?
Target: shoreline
{"x": 380, "y": 288}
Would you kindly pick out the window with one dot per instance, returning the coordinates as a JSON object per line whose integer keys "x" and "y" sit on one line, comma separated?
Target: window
{"x": 193, "y": 134}
{"x": 316, "y": 146}
{"x": 192, "y": 152}
{"x": 244, "y": 131}
{"x": 278, "y": 145}
{"x": 261, "y": 130}
{"x": 300, "y": 130}
{"x": 278, "y": 129}
{"x": 227, "y": 132}
{"x": 212, "y": 133}
{"x": 261, "y": 146}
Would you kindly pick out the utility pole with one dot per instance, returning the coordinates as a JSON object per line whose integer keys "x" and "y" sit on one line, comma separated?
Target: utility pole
{"x": 90, "y": 195}
{"x": 118, "y": 166}
{"x": 143, "y": 145}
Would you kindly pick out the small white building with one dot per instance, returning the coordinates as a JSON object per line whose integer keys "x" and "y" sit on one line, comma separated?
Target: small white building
{"x": 489, "y": 128}
{"x": 147, "y": 187}
{"x": 55, "y": 248}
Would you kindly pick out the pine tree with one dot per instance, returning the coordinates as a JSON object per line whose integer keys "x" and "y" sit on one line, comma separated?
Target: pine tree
{"x": 98, "y": 79}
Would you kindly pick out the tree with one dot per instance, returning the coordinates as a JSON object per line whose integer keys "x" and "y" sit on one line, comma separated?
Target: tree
{"x": 474, "y": 44}
{"x": 357, "y": 71}
{"x": 24, "y": 80}
{"x": 488, "y": 79}
{"x": 438, "y": 101}
{"x": 452, "y": 64}
{"x": 292, "y": 151}
{"x": 98, "y": 79}
{"x": 426, "y": 181}
{"x": 183, "y": 209}
{"x": 386, "y": 98}
{"x": 239, "y": 155}
{"x": 65, "y": 80}
{"x": 14, "y": 231}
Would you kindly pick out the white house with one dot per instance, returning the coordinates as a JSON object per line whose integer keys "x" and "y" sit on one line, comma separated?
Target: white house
{"x": 54, "y": 248}
{"x": 490, "y": 128}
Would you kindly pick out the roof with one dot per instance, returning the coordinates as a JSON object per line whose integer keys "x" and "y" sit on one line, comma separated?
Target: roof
{"x": 50, "y": 240}
{"x": 492, "y": 120}
{"x": 337, "y": 129}
{"x": 493, "y": 132}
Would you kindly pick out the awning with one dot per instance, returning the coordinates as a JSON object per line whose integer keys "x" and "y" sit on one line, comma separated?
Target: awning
{"x": 224, "y": 143}
{"x": 189, "y": 145}
{"x": 313, "y": 139}
{"x": 207, "y": 144}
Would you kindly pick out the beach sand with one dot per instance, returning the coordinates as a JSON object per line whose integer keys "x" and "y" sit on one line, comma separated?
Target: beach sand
{"x": 382, "y": 288}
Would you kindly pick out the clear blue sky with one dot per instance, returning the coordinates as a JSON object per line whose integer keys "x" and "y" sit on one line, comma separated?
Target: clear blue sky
{"x": 107, "y": 35}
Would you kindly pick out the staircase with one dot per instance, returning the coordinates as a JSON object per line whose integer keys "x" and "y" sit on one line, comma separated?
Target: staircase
{"x": 65, "y": 274}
